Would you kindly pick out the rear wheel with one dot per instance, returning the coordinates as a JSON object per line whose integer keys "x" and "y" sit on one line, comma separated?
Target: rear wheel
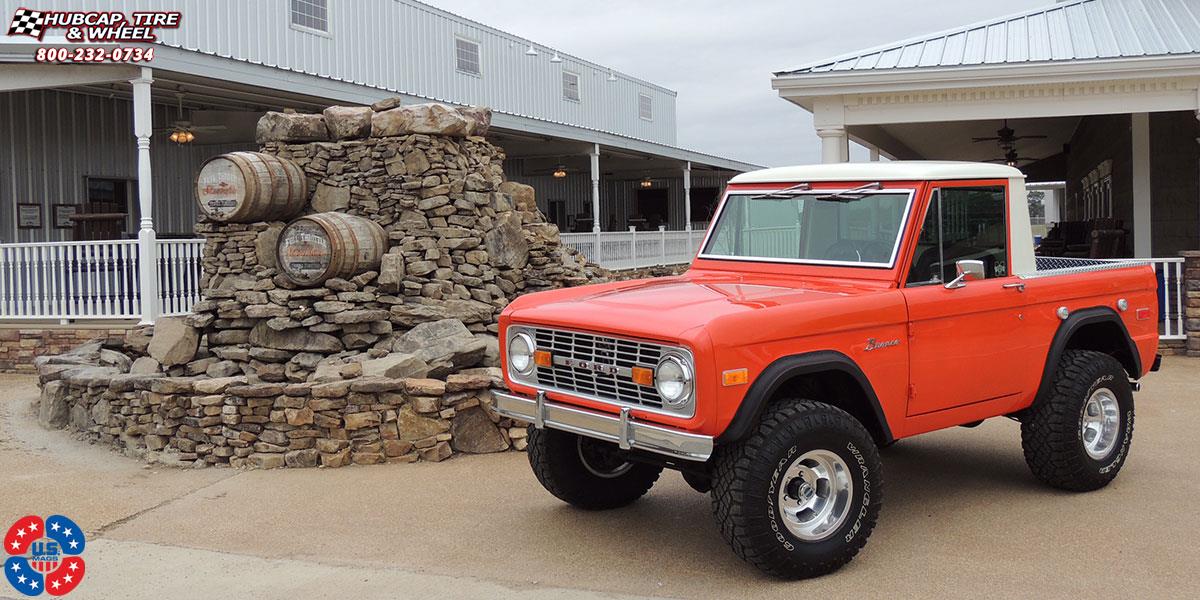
{"x": 800, "y": 495}
{"x": 1077, "y": 437}
{"x": 585, "y": 472}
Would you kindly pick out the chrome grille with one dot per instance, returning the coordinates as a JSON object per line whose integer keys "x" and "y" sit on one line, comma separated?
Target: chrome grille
{"x": 624, "y": 354}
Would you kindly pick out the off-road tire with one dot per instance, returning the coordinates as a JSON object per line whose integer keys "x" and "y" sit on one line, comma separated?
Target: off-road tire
{"x": 1051, "y": 429}
{"x": 744, "y": 499}
{"x": 556, "y": 460}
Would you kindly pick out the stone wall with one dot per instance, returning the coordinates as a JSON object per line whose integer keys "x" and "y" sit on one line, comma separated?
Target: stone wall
{"x": 1191, "y": 275}
{"x": 231, "y": 421}
{"x": 20, "y": 345}
{"x": 391, "y": 364}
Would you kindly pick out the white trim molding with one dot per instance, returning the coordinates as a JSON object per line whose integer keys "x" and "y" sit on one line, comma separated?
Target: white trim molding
{"x": 1045, "y": 100}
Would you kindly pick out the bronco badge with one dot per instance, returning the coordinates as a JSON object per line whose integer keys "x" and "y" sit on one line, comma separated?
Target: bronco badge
{"x": 874, "y": 344}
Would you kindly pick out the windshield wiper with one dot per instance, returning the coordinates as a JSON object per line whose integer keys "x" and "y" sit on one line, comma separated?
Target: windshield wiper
{"x": 785, "y": 193}
{"x": 851, "y": 194}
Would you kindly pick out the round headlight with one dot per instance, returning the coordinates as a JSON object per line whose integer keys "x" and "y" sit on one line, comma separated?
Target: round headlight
{"x": 673, "y": 380}
{"x": 520, "y": 353}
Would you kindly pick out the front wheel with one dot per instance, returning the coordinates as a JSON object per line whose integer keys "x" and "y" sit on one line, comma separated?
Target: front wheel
{"x": 800, "y": 495}
{"x": 587, "y": 473}
{"x": 1077, "y": 437}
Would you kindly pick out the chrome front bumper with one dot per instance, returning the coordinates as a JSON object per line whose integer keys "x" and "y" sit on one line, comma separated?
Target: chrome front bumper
{"x": 621, "y": 430}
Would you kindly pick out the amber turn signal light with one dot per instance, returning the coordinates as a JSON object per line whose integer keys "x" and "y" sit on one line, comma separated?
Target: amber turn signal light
{"x": 542, "y": 358}
{"x": 735, "y": 377}
{"x": 642, "y": 376}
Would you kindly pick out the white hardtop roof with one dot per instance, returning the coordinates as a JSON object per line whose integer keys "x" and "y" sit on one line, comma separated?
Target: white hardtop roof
{"x": 899, "y": 170}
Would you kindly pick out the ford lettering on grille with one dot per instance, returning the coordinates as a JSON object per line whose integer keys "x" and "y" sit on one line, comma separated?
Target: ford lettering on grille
{"x": 597, "y": 367}
{"x": 589, "y": 366}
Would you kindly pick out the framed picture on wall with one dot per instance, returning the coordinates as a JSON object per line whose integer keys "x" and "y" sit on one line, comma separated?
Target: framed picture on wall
{"x": 62, "y": 215}
{"x": 29, "y": 216}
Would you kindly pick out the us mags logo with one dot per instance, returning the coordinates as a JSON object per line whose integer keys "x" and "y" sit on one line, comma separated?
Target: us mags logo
{"x": 44, "y": 555}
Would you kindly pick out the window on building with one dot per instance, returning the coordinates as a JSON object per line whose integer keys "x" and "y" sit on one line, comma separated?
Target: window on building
{"x": 466, "y": 56}
{"x": 961, "y": 223}
{"x": 1096, "y": 189}
{"x": 645, "y": 107}
{"x": 570, "y": 84}
{"x": 312, "y": 14}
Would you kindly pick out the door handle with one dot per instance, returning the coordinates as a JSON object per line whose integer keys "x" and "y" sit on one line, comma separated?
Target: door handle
{"x": 1020, "y": 287}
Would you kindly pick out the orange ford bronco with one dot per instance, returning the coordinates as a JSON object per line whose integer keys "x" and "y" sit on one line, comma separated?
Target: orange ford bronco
{"x": 831, "y": 310}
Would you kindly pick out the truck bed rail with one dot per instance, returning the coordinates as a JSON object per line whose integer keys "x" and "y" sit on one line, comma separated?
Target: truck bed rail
{"x": 1168, "y": 272}
{"x": 1049, "y": 266}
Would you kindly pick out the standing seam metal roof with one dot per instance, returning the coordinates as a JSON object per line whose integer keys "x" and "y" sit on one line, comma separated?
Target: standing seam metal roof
{"x": 1069, "y": 31}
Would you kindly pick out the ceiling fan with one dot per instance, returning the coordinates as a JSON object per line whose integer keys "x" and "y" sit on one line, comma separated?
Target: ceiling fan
{"x": 182, "y": 131}
{"x": 1005, "y": 136}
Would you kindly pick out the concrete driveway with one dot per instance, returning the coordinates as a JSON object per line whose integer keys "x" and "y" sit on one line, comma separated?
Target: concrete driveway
{"x": 962, "y": 516}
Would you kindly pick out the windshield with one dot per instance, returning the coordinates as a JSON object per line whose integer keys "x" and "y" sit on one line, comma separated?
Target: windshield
{"x": 820, "y": 227}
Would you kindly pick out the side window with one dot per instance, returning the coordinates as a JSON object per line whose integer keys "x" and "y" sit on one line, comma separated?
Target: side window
{"x": 961, "y": 223}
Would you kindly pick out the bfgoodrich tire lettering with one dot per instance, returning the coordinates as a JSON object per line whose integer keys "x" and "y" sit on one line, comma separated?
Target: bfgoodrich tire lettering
{"x": 1053, "y": 435}
{"x": 747, "y": 479}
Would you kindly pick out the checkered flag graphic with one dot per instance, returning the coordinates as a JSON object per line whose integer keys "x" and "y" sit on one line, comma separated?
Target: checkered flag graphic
{"x": 27, "y": 22}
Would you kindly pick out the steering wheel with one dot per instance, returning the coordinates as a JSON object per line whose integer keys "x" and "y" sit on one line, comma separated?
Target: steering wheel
{"x": 846, "y": 250}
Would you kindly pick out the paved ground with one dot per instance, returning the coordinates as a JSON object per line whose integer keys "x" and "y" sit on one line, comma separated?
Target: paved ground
{"x": 962, "y": 516}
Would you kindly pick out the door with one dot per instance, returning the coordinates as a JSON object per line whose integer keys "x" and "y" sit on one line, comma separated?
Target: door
{"x": 651, "y": 209}
{"x": 966, "y": 343}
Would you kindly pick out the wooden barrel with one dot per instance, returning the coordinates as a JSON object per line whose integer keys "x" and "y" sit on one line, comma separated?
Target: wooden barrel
{"x": 243, "y": 187}
{"x": 316, "y": 247}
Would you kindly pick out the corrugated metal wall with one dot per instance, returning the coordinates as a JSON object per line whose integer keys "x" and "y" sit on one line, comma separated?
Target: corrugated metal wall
{"x": 618, "y": 197}
{"x": 53, "y": 140}
{"x": 406, "y": 46}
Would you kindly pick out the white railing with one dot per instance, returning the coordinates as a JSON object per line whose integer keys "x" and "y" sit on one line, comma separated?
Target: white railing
{"x": 93, "y": 280}
{"x": 633, "y": 249}
{"x": 179, "y": 275}
{"x": 1172, "y": 297}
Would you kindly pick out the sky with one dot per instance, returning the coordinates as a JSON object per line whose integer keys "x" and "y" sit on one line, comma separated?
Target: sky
{"x": 719, "y": 54}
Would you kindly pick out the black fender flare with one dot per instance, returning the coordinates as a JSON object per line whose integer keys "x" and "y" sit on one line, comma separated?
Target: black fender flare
{"x": 1073, "y": 323}
{"x": 784, "y": 369}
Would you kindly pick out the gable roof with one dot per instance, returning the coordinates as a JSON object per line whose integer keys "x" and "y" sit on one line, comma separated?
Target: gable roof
{"x": 1070, "y": 31}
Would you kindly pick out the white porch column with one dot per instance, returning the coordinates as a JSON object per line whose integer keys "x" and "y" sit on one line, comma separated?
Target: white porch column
{"x": 835, "y": 144}
{"x": 829, "y": 118}
{"x": 595, "y": 156}
{"x": 687, "y": 196}
{"x": 1053, "y": 204}
{"x": 1142, "y": 246}
{"x": 147, "y": 247}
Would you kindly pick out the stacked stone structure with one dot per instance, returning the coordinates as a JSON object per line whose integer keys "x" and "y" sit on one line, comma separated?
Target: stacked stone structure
{"x": 396, "y": 363}
{"x": 1191, "y": 277}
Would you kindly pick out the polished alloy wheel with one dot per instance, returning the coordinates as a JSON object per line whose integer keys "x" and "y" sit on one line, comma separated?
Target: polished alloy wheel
{"x": 1101, "y": 423}
{"x": 815, "y": 494}
{"x": 600, "y": 459}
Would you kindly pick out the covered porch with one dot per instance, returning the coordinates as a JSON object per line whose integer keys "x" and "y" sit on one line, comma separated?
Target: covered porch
{"x": 99, "y": 201}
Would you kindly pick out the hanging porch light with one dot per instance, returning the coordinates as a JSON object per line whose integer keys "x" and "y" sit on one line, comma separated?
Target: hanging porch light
{"x": 646, "y": 183}
{"x": 560, "y": 171}
{"x": 181, "y": 136}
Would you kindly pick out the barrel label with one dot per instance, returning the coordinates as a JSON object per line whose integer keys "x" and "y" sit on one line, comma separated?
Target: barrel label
{"x": 220, "y": 188}
{"x": 304, "y": 252}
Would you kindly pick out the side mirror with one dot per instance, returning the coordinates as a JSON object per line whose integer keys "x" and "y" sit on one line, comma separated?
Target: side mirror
{"x": 967, "y": 270}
